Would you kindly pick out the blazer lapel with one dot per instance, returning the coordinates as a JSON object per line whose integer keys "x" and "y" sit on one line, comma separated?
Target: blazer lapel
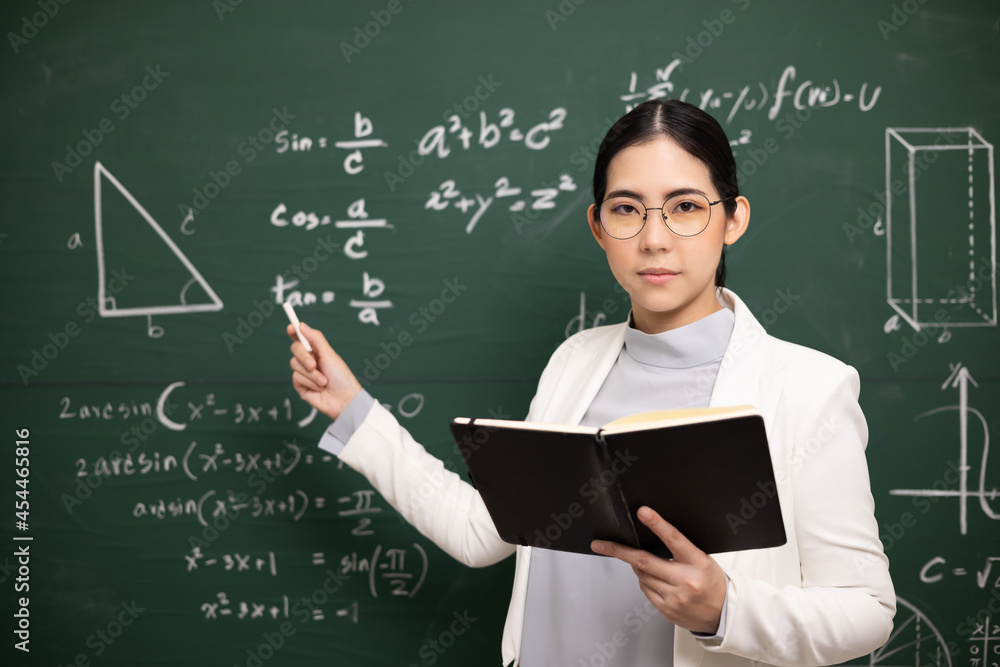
{"x": 583, "y": 377}
{"x": 746, "y": 377}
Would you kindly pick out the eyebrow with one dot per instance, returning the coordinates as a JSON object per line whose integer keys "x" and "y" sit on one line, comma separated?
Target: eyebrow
{"x": 672, "y": 193}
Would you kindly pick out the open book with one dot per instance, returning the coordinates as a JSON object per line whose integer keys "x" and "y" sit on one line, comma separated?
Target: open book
{"x": 707, "y": 471}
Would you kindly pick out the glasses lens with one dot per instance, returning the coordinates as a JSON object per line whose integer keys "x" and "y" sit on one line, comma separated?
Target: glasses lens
{"x": 687, "y": 215}
{"x": 622, "y": 217}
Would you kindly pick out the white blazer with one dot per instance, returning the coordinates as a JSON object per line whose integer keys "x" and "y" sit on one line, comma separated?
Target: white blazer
{"x": 824, "y": 597}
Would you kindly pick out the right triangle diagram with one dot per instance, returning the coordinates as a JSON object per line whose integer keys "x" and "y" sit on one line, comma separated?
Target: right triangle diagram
{"x": 141, "y": 271}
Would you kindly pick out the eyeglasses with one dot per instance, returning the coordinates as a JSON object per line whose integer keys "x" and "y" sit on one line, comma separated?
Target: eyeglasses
{"x": 685, "y": 215}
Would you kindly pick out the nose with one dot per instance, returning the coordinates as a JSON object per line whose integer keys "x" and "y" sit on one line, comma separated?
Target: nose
{"x": 655, "y": 235}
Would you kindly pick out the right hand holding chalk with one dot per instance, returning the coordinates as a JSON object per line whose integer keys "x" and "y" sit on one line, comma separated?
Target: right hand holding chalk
{"x": 321, "y": 377}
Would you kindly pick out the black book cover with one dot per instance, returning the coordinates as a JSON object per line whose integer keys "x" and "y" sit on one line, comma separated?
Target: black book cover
{"x": 561, "y": 489}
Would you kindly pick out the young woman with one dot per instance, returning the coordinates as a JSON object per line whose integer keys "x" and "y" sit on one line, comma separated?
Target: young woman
{"x": 666, "y": 203}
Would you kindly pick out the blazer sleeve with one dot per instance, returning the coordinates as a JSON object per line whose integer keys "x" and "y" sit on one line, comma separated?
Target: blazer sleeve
{"x": 843, "y": 604}
{"x": 436, "y": 501}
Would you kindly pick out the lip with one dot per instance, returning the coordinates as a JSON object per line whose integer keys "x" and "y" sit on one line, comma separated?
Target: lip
{"x": 657, "y": 275}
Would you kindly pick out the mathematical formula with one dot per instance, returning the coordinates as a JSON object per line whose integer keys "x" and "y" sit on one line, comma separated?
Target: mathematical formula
{"x": 234, "y": 562}
{"x": 936, "y": 569}
{"x": 288, "y": 143}
{"x": 208, "y": 407}
{"x": 754, "y": 96}
{"x": 212, "y": 504}
{"x": 396, "y": 571}
{"x": 437, "y": 140}
{"x": 540, "y": 199}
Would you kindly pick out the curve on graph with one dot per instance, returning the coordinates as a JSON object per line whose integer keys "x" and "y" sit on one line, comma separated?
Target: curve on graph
{"x": 983, "y": 502}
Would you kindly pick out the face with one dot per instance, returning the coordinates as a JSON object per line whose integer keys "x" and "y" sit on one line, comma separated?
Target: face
{"x": 671, "y": 279}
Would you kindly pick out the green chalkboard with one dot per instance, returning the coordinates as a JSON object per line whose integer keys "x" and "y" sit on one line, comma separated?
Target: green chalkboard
{"x": 414, "y": 177}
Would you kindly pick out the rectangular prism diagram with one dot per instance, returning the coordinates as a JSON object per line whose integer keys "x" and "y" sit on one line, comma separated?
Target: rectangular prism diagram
{"x": 940, "y": 226}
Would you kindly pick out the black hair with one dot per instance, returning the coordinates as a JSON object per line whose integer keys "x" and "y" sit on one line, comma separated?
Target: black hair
{"x": 692, "y": 129}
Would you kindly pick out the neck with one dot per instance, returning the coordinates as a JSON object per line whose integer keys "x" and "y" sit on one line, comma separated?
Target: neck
{"x": 653, "y": 323}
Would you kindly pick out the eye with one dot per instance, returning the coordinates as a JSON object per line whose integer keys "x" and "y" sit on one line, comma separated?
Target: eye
{"x": 624, "y": 208}
{"x": 686, "y": 207}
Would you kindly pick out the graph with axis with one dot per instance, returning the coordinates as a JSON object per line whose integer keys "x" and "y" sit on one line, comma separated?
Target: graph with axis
{"x": 986, "y": 492}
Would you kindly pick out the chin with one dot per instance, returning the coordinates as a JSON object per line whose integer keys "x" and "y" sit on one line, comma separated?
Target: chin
{"x": 661, "y": 306}
{"x": 671, "y": 305}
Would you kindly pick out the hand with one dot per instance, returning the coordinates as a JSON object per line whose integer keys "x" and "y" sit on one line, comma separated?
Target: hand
{"x": 688, "y": 590}
{"x": 321, "y": 377}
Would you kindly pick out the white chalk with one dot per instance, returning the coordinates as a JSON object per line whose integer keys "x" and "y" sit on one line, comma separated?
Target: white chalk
{"x": 295, "y": 322}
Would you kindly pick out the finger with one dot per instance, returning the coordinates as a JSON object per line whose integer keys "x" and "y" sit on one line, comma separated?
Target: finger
{"x": 651, "y": 570}
{"x": 663, "y": 576}
{"x": 622, "y": 552}
{"x": 681, "y": 547}
{"x": 303, "y": 356}
{"x": 298, "y": 349}
{"x": 650, "y": 587}
{"x": 316, "y": 376}
{"x": 303, "y": 384}
{"x": 290, "y": 330}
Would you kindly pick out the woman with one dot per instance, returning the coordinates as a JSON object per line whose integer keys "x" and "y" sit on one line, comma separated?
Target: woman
{"x": 822, "y": 598}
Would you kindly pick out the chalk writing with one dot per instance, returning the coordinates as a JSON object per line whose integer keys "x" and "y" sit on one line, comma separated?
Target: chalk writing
{"x": 914, "y": 639}
{"x": 126, "y": 466}
{"x": 962, "y": 256}
{"x": 390, "y": 566}
{"x": 447, "y": 195}
{"x": 489, "y": 133}
{"x": 293, "y": 505}
{"x": 207, "y": 407}
{"x": 294, "y": 143}
{"x": 106, "y": 411}
{"x": 357, "y": 218}
{"x": 359, "y": 504}
{"x": 222, "y": 608}
{"x": 984, "y": 644}
{"x": 753, "y": 96}
{"x": 106, "y": 302}
{"x": 961, "y": 379}
{"x": 936, "y": 570}
{"x": 234, "y": 562}
{"x": 368, "y": 303}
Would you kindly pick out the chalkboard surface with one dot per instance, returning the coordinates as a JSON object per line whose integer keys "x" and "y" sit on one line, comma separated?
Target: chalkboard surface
{"x": 414, "y": 177}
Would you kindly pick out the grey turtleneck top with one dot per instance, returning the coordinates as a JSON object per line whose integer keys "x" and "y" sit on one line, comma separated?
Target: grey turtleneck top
{"x": 586, "y": 610}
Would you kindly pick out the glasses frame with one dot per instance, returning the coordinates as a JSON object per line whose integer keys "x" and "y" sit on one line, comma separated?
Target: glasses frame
{"x": 645, "y": 215}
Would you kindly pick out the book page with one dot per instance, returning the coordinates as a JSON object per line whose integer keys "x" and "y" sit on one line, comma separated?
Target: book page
{"x": 660, "y": 418}
{"x": 528, "y": 426}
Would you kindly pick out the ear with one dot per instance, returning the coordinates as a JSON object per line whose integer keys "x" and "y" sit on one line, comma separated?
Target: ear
{"x": 595, "y": 225}
{"x": 738, "y": 222}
